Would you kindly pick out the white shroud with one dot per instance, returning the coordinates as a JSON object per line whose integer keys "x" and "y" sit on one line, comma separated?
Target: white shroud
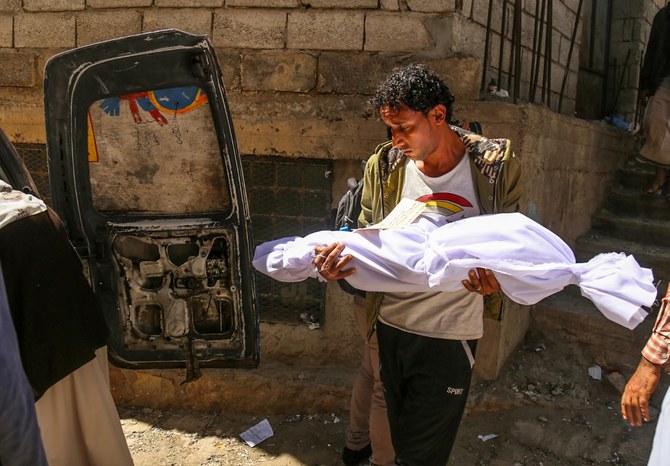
{"x": 529, "y": 261}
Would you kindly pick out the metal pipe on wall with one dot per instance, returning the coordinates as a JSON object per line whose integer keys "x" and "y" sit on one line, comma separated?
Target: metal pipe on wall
{"x": 512, "y": 44}
{"x": 517, "y": 50}
{"x": 572, "y": 46}
{"x": 534, "y": 49}
{"x": 503, "y": 24}
{"x": 536, "y": 75}
{"x": 487, "y": 47}
{"x": 546, "y": 82}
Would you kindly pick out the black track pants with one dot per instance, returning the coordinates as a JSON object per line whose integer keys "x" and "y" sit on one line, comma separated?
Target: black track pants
{"x": 426, "y": 384}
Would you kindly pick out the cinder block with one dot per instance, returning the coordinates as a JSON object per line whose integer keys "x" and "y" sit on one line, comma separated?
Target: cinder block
{"x": 627, "y": 9}
{"x": 22, "y": 114}
{"x": 264, "y": 3}
{"x": 343, "y": 4}
{"x": 354, "y": 73}
{"x": 53, "y": 5}
{"x": 189, "y": 3}
{"x": 460, "y": 74}
{"x": 43, "y": 55}
{"x": 95, "y": 26}
{"x": 389, "y": 32}
{"x": 117, "y": 3}
{"x": 18, "y": 69}
{"x": 432, "y": 6}
{"x": 563, "y": 19}
{"x": 480, "y": 13}
{"x": 325, "y": 30}
{"x": 300, "y": 125}
{"x": 278, "y": 71}
{"x": 189, "y": 20}
{"x": 229, "y": 61}
{"x": 467, "y": 7}
{"x": 40, "y": 29}
{"x": 10, "y": 5}
{"x": 466, "y": 38}
{"x": 249, "y": 29}
{"x": 6, "y": 30}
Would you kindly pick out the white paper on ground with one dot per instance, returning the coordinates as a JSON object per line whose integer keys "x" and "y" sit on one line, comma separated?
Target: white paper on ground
{"x": 256, "y": 434}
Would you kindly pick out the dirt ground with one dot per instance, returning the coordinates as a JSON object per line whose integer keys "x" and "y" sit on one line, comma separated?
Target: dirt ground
{"x": 545, "y": 409}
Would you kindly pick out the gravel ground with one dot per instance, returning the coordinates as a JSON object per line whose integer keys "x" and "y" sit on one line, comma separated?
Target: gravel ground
{"x": 545, "y": 409}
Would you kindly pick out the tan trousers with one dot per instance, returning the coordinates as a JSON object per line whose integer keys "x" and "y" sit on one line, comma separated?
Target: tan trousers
{"x": 367, "y": 413}
{"x": 657, "y": 129}
{"x": 79, "y": 421}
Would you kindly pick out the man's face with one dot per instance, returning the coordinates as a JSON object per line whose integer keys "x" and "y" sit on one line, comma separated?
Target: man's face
{"x": 416, "y": 134}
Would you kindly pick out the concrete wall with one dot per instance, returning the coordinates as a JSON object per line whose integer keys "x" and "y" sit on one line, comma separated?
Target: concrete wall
{"x": 631, "y": 24}
{"x": 568, "y": 162}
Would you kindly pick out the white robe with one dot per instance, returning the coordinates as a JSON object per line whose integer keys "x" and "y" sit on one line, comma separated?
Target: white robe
{"x": 529, "y": 261}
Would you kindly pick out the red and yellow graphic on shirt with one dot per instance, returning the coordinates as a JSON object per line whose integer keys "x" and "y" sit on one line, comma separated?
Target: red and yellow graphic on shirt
{"x": 449, "y": 202}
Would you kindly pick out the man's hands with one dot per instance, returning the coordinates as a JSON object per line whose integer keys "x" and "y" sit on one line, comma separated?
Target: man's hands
{"x": 330, "y": 264}
{"x": 640, "y": 387}
{"x": 482, "y": 281}
{"x": 644, "y": 95}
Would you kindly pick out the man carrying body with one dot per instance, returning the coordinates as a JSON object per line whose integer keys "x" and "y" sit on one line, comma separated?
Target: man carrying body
{"x": 427, "y": 341}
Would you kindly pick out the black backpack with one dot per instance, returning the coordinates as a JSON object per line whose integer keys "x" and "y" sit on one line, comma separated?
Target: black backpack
{"x": 346, "y": 218}
{"x": 349, "y": 207}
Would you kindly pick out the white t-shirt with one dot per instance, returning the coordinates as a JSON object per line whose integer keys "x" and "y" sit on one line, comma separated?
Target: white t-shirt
{"x": 453, "y": 316}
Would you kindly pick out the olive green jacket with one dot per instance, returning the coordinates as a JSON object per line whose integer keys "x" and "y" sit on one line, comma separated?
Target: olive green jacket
{"x": 496, "y": 174}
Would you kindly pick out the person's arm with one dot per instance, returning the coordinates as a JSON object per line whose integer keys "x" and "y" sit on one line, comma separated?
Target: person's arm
{"x": 650, "y": 54}
{"x": 329, "y": 263}
{"x": 483, "y": 281}
{"x": 365, "y": 217}
{"x": 643, "y": 383}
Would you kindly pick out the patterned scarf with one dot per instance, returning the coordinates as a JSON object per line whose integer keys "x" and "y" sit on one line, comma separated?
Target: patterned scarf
{"x": 15, "y": 205}
{"x": 488, "y": 154}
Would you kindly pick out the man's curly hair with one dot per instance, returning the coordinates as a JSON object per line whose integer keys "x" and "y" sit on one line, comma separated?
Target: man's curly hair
{"x": 415, "y": 86}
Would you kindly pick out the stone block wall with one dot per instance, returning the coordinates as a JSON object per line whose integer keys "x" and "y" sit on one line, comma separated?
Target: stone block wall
{"x": 631, "y": 24}
{"x": 567, "y": 162}
{"x": 288, "y": 54}
{"x": 498, "y": 63}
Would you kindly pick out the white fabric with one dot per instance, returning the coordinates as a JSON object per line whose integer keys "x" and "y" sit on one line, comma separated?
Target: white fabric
{"x": 529, "y": 261}
{"x": 15, "y": 205}
{"x": 660, "y": 450}
{"x": 448, "y": 315}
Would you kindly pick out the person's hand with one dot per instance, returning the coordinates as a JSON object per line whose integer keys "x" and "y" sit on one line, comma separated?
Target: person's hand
{"x": 482, "y": 281}
{"x": 643, "y": 95}
{"x": 640, "y": 387}
{"x": 330, "y": 264}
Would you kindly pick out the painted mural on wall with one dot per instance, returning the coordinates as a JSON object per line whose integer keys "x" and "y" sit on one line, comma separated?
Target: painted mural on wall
{"x": 155, "y": 152}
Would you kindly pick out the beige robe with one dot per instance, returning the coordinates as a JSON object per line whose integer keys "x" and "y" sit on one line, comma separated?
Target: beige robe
{"x": 79, "y": 421}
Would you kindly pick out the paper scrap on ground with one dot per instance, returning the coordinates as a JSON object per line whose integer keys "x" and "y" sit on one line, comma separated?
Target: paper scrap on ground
{"x": 487, "y": 437}
{"x": 595, "y": 372}
{"x": 256, "y": 434}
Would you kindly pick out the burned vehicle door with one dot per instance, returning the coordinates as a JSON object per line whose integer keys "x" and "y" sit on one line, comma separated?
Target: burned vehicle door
{"x": 145, "y": 171}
